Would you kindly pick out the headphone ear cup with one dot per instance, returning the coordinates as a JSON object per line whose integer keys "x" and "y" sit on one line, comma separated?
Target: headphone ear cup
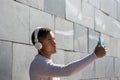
{"x": 38, "y": 45}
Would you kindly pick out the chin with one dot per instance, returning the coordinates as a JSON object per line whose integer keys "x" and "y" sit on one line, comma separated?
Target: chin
{"x": 54, "y": 52}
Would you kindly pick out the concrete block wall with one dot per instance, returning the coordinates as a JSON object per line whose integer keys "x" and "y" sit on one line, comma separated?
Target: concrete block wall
{"x": 77, "y": 25}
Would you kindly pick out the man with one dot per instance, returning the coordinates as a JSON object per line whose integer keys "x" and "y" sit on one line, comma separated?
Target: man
{"x": 42, "y": 67}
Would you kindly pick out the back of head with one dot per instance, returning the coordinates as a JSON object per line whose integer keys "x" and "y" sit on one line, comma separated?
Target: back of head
{"x": 41, "y": 35}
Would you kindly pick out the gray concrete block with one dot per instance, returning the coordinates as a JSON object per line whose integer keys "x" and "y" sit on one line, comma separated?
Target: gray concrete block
{"x": 73, "y": 10}
{"x": 118, "y": 51}
{"x": 113, "y": 27}
{"x": 100, "y": 21}
{"x": 110, "y": 8}
{"x": 36, "y": 3}
{"x": 39, "y": 4}
{"x": 102, "y": 79}
{"x": 39, "y": 18}
{"x": 77, "y": 11}
{"x": 95, "y": 3}
{"x": 118, "y": 10}
{"x": 22, "y": 1}
{"x": 114, "y": 78}
{"x": 113, "y": 47}
{"x": 5, "y": 60}
{"x": 80, "y": 38}
{"x": 70, "y": 57}
{"x": 22, "y": 57}
{"x": 109, "y": 68}
{"x": 59, "y": 57}
{"x": 106, "y": 39}
{"x": 56, "y": 7}
{"x": 64, "y": 33}
{"x": 118, "y": 78}
{"x": 87, "y": 15}
{"x": 88, "y": 72}
{"x": 14, "y": 21}
{"x": 106, "y": 24}
{"x": 117, "y": 66}
{"x": 105, "y": 67}
{"x": 93, "y": 40}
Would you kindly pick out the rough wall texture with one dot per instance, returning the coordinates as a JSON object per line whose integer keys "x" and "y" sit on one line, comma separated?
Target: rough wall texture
{"x": 77, "y": 25}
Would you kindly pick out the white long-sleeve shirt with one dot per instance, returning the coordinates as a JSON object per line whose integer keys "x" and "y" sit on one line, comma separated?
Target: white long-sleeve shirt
{"x": 42, "y": 68}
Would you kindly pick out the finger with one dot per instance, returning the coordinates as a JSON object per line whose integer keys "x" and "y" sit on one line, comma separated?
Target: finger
{"x": 106, "y": 49}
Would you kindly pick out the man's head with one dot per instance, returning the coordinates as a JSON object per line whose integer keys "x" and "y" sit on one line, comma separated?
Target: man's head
{"x": 46, "y": 37}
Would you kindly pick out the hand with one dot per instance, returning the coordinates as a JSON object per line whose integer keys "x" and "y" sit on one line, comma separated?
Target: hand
{"x": 100, "y": 51}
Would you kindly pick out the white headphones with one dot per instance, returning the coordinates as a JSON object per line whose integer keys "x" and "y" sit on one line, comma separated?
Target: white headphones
{"x": 38, "y": 45}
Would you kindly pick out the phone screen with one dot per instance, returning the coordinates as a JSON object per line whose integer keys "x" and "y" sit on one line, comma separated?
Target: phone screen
{"x": 101, "y": 42}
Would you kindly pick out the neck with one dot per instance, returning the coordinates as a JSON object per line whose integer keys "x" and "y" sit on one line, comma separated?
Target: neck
{"x": 44, "y": 53}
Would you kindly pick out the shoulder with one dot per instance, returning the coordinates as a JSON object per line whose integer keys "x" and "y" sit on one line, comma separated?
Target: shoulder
{"x": 39, "y": 61}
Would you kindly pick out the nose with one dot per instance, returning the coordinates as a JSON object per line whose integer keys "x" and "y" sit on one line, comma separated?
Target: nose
{"x": 54, "y": 42}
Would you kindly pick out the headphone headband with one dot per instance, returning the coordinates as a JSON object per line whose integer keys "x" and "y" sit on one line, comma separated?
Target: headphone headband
{"x": 36, "y": 34}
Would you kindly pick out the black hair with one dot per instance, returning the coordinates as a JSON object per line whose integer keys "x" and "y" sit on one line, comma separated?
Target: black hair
{"x": 43, "y": 32}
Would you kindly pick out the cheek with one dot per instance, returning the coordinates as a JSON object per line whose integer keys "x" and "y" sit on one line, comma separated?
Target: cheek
{"x": 50, "y": 48}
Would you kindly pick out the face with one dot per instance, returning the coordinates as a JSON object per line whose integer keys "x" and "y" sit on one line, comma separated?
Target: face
{"x": 49, "y": 45}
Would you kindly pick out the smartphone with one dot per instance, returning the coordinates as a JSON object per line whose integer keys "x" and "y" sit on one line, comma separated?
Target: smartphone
{"x": 101, "y": 41}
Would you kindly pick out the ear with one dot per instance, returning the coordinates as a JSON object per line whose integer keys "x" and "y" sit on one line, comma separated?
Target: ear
{"x": 38, "y": 45}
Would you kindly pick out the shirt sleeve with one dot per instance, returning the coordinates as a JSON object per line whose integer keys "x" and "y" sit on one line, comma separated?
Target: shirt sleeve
{"x": 56, "y": 70}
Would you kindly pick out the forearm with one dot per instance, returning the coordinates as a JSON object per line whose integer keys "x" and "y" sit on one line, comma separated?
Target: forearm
{"x": 77, "y": 66}
{"x": 67, "y": 70}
